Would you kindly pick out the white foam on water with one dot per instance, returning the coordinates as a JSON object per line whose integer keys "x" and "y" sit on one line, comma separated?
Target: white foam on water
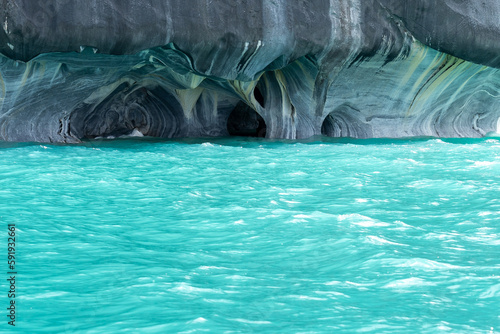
{"x": 360, "y": 220}
{"x": 218, "y": 301}
{"x": 303, "y": 297}
{"x": 199, "y": 320}
{"x": 212, "y": 268}
{"x": 245, "y": 321}
{"x": 484, "y": 163}
{"x": 188, "y": 289}
{"x": 424, "y": 264}
{"x": 407, "y": 283}
{"x": 492, "y": 292}
{"x": 240, "y": 278}
{"x": 381, "y": 241}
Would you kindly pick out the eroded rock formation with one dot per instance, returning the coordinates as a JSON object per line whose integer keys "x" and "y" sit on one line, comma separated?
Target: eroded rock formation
{"x": 72, "y": 70}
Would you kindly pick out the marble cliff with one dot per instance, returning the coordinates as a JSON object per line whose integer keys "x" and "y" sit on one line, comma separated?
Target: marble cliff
{"x": 72, "y": 70}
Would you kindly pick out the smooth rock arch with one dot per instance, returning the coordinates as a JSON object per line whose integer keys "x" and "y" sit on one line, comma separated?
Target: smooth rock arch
{"x": 346, "y": 121}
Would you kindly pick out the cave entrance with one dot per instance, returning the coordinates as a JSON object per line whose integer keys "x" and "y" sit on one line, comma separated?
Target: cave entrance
{"x": 347, "y": 122}
{"x": 331, "y": 127}
{"x": 246, "y": 122}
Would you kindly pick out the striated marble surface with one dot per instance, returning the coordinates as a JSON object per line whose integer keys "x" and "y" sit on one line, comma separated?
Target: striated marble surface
{"x": 284, "y": 69}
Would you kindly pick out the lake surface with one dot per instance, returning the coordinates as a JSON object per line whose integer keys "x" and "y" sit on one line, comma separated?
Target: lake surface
{"x": 239, "y": 235}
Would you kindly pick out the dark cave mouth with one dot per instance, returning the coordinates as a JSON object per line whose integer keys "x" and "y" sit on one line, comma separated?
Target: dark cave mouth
{"x": 123, "y": 119}
{"x": 246, "y": 122}
{"x": 130, "y": 111}
{"x": 113, "y": 125}
{"x": 138, "y": 111}
{"x": 331, "y": 127}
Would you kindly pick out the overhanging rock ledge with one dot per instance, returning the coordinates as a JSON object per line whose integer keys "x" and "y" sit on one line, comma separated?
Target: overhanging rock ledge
{"x": 72, "y": 70}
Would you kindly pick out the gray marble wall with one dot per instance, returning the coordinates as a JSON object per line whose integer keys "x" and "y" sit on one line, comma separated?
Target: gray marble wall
{"x": 345, "y": 68}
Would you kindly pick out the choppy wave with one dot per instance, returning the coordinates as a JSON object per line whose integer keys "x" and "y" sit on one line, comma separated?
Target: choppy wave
{"x": 238, "y": 235}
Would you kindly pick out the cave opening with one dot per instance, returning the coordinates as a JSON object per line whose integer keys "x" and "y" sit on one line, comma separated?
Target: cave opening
{"x": 246, "y": 122}
{"x": 331, "y": 127}
{"x": 258, "y": 96}
{"x": 346, "y": 122}
{"x": 129, "y": 111}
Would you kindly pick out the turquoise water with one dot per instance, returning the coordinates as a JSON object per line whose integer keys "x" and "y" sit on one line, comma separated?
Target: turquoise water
{"x": 239, "y": 236}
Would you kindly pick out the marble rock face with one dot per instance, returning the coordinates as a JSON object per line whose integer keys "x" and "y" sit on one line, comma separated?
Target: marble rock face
{"x": 72, "y": 70}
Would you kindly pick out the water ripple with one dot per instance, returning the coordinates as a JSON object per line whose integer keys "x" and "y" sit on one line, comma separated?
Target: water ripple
{"x": 236, "y": 235}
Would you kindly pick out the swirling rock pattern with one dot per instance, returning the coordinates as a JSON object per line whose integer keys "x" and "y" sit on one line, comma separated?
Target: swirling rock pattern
{"x": 71, "y": 70}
